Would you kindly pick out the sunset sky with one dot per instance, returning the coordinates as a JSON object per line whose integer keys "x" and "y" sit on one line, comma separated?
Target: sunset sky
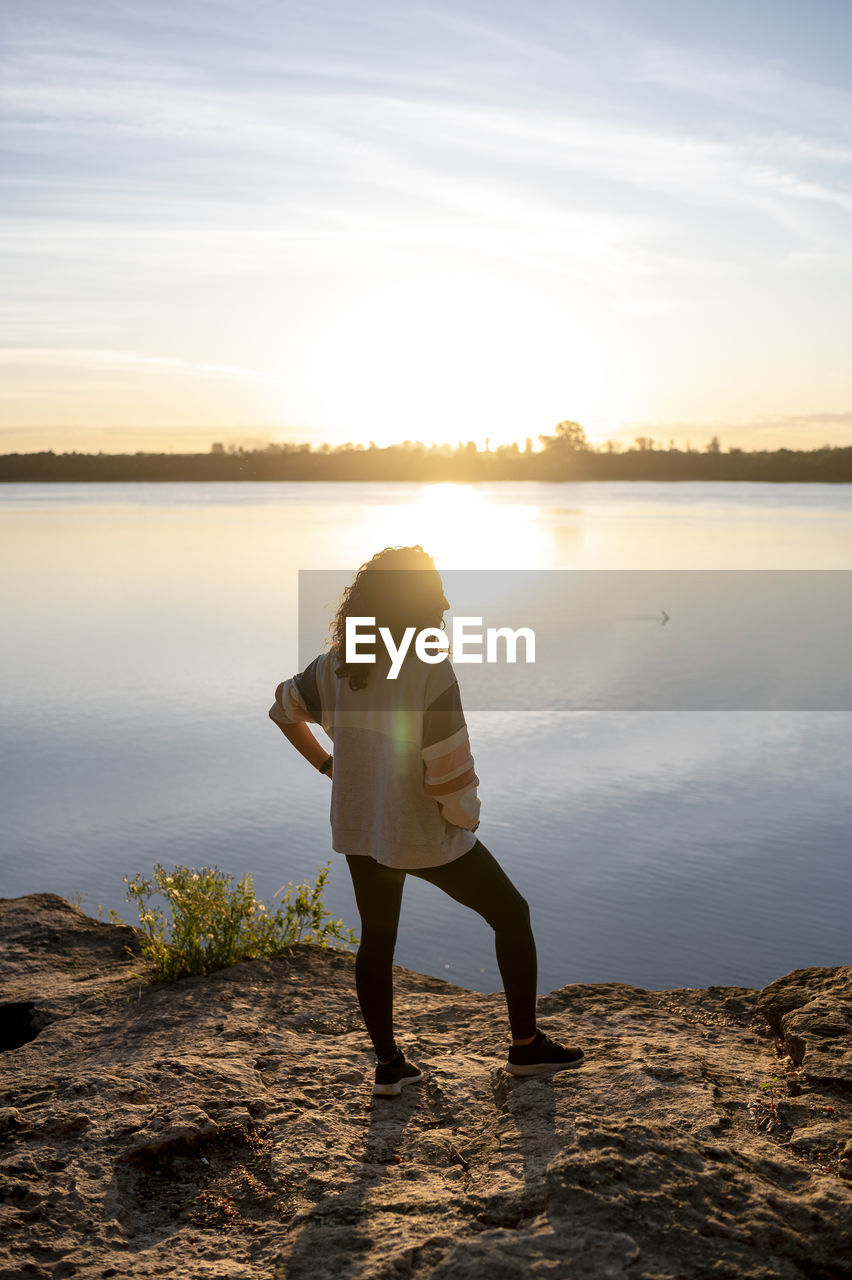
{"x": 378, "y": 221}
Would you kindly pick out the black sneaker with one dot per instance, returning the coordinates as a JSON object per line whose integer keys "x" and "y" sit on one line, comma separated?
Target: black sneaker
{"x": 541, "y": 1057}
{"x": 391, "y": 1077}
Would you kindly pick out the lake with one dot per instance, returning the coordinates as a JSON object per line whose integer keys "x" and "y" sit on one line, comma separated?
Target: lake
{"x": 146, "y": 627}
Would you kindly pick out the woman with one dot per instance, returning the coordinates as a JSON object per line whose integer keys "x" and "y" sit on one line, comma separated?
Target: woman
{"x": 404, "y": 800}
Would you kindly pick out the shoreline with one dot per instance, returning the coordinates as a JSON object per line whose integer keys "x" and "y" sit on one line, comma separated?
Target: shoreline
{"x": 417, "y": 463}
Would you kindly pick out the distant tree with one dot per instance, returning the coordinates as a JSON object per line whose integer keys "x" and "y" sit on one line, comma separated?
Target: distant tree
{"x": 217, "y": 447}
{"x": 568, "y": 437}
{"x": 644, "y": 443}
{"x": 713, "y": 446}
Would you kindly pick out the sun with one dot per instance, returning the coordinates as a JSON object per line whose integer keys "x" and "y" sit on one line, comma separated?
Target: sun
{"x": 445, "y": 358}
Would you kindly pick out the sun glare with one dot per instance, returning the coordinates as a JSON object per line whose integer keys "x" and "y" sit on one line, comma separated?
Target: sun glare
{"x": 442, "y": 360}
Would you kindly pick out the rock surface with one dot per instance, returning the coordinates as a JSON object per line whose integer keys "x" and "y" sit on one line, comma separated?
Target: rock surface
{"x": 224, "y": 1126}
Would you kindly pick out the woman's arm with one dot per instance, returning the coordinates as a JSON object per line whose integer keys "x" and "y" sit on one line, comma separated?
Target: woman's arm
{"x": 292, "y": 714}
{"x": 306, "y": 743}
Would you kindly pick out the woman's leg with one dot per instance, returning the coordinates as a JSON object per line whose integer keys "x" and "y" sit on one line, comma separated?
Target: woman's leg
{"x": 378, "y": 893}
{"x": 478, "y": 881}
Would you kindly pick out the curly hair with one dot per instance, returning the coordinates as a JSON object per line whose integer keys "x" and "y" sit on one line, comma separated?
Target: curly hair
{"x": 399, "y": 587}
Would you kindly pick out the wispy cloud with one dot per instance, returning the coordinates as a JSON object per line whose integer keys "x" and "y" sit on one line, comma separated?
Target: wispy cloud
{"x": 105, "y": 358}
{"x": 752, "y": 88}
{"x": 505, "y": 168}
{"x": 765, "y": 431}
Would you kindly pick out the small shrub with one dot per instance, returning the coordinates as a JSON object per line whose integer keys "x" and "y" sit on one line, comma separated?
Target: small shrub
{"x": 209, "y": 922}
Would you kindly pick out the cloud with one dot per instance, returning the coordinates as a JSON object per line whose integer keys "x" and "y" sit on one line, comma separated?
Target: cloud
{"x": 765, "y": 431}
{"x": 105, "y": 358}
{"x": 331, "y": 137}
{"x": 752, "y": 88}
{"x": 321, "y": 161}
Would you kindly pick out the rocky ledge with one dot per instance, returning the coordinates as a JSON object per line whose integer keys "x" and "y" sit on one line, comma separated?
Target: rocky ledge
{"x": 224, "y": 1126}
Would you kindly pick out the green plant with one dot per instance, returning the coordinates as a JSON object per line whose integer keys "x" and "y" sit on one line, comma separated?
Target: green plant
{"x": 770, "y": 1087}
{"x": 209, "y": 922}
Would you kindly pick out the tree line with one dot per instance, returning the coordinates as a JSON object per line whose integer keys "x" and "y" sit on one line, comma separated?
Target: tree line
{"x": 565, "y": 455}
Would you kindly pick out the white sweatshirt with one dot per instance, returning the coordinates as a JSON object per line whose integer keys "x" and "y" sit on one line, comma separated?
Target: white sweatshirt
{"x": 404, "y": 785}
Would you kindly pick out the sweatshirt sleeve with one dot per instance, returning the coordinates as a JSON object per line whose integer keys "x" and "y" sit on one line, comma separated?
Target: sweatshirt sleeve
{"x": 449, "y": 774}
{"x": 298, "y": 698}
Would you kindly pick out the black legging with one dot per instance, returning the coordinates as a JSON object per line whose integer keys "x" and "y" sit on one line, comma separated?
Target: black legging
{"x": 475, "y": 880}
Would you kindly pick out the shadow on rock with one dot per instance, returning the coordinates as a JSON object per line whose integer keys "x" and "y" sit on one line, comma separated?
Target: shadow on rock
{"x": 342, "y": 1227}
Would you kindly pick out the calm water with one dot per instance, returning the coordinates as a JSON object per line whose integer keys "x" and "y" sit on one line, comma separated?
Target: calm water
{"x": 146, "y": 626}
